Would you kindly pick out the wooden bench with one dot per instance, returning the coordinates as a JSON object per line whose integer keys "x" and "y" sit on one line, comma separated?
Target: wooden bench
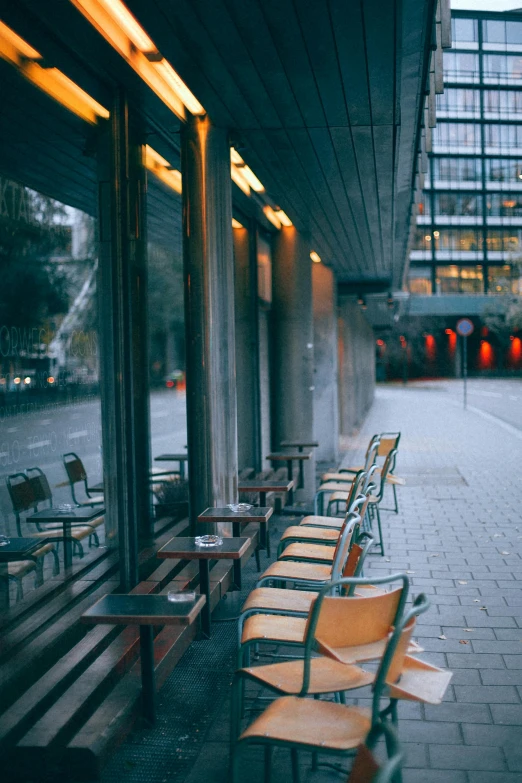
{"x": 84, "y": 693}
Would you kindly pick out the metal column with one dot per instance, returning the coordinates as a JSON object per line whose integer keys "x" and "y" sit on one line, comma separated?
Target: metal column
{"x": 209, "y": 313}
{"x": 292, "y": 349}
{"x": 122, "y": 315}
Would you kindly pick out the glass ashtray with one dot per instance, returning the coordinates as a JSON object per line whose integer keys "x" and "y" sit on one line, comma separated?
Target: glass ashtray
{"x": 65, "y": 508}
{"x": 238, "y": 507}
{"x": 182, "y": 597}
{"x": 4, "y": 541}
{"x": 208, "y": 540}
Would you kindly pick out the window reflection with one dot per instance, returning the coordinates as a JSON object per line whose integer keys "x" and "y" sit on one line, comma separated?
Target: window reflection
{"x": 504, "y": 170}
{"x": 459, "y": 239}
{"x": 457, "y": 170}
{"x": 458, "y": 204}
{"x": 506, "y": 240}
{"x": 502, "y": 280}
{"x": 454, "y": 279}
{"x": 504, "y": 204}
{"x": 419, "y": 280}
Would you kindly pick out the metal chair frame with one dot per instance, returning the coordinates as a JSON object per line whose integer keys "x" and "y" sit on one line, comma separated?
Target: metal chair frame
{"x": 378, "y": 716}
{"x": 76, "y": 474}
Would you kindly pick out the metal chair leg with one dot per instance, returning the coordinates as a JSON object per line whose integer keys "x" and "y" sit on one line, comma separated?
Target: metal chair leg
{"x": 268, "y": 763}
{"x": 295, "y": 766}
{"x": 380, "y": 530}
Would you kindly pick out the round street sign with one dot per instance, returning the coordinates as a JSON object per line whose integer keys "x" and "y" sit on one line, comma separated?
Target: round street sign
{"x": 465, "y": 327}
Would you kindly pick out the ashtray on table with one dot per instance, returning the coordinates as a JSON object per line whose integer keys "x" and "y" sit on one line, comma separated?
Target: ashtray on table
{"x": 188, "y": 596}
{"x": 208, "y": 540}
{"x": 238, "y": 507}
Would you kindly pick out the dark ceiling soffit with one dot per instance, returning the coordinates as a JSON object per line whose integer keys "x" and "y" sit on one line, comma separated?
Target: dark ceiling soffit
{"x": 355, "y": 287}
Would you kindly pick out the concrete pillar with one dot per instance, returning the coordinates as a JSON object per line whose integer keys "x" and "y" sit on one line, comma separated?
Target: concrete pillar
{"x": 247, "y": 348}
{"x": 123, "y": 337}
{"x": 356, "y": 366}
{"x": 326, "y": 410}
{"x": 209, "y": 316}
{"x": 293, "y": 378}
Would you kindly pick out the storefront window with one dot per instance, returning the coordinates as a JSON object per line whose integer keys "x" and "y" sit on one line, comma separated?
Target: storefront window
{"x": 50, "y": 411}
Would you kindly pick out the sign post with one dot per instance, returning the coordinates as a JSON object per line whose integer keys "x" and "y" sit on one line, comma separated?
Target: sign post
{"x": 465, "y": 328}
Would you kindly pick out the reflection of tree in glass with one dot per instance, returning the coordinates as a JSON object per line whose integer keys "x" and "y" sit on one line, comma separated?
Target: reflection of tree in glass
{"x": 33, "y": 286}
{"x": 166, "y": 316}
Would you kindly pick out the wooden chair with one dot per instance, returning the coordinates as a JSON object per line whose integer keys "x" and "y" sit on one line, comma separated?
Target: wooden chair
{"x": 317, "y": 726}
{"x": 77, "y": 474}
{"x": 366, "y": 768}
{"x": 388, "y": 441}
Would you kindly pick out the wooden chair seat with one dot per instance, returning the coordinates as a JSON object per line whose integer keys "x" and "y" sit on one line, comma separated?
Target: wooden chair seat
{"x": 362, "y": 653}
{"x": 420, "y": 681}
{"x": 20, "y": 568}
{"x": 310, "y": 534}
{"x": 274, "y": 627}
{"x": 309, "y": 552}
{"x": 77, "y": 533}
{"x": 288, "y": 569}
{"x": 311, "y": 722}
{"x": 43, "y": 550}
{"x": 346, "y": 478}
{"x": 335, "y": 523}
{"x": 331, "y": 486}
{"x": 338, "y": 495}
{"x": 276, "y": 598}
{"x": 326, "y": 676}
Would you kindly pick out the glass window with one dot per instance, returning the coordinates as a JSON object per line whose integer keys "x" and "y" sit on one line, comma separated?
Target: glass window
{"x": 458, "y": 240}
{"x": 419, "y": 280}
{"x": 503, "y": 137}
{"x": 460, "y": 66}
{"x": 502, "y": 68}
{"x": 453, "y": 279}
{"x": 465, "y": 30}
{"x": 504, "y": 170}
{"x": 504, "y": 103}
{"x": 494, "y": 32}
{"x": 507, "y": 240}
{"x": 455, "y": 135}
{"x": 502, "y": 280}
{"x": 504, "y": 204}
{"x": 457, "y": 170}
{"x": 423, "y": 207}
{"x": 457, "y": 204}
{"x": 458, "y": 99}
{"x": 422, "y": 239}
{"x": 514, "y": 32}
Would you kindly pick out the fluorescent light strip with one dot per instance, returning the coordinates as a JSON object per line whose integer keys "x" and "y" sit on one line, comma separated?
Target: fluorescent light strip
{"x": 52, "y": 81}
{"x": 316, "y": 258}
{"x": 238, "y": 178}
{"x": 245, "y": 171}
{"x": 162, "y": 169}
{"x": 121, "y": 29}
{"x": 283, "y": 217}
{"x": 271, "y": 216}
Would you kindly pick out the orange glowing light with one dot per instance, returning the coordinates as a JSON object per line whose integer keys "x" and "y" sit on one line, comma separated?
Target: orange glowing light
{"x": 449, "y": 331}
{"x": 486, "y": 357}
{"x": 431, "y": 347}
{"x": 515, "y": 352}
{"x": 380, "y": 342}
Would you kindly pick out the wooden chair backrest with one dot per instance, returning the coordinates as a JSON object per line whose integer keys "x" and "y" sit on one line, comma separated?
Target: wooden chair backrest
{"x": 356, "y": 488}
{"x": 21, "y": 493}
{"x": 74, "y": 468}
{"x": 347, "y": 621}
{"x": 388, "y": 441}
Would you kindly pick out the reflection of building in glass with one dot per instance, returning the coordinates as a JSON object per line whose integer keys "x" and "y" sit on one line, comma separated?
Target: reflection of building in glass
{"x": 469, "y": 224}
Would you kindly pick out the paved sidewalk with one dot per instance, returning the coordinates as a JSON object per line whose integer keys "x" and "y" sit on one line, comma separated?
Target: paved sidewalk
{"x": 458, "y": 535}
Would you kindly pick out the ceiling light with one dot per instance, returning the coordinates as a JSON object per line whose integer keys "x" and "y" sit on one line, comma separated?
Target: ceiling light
{"x": 316, "y": 258}
{"x": 238, "y": 178}
{"x": 236, "y": 224}
{"x": 246, "y": 171}
{"x": 52, "y": 81}
{"x": 271, "y": 216}
{"x": 283, "y": 217}
{"x": 118, "y": 26}
{"x": 162, "y": 169}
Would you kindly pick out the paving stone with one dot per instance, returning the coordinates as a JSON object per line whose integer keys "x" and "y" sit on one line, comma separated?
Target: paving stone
{"x": 486, "y": 694}
{"x": 457, "y": 712}
{"x": 453, "y": 757}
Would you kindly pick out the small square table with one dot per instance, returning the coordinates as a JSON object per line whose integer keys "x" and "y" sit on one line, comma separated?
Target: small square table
{"x": 289, "y": 457}
{"x": 68, "y": 518}
{"x": 259, "y": 514}
{"x": 17, "y": 549}
{"x": 145, "y": 611}
{"x": 181, "y": 458}
{"x": 263, "y": 486}
{"x": 187, "y": 549}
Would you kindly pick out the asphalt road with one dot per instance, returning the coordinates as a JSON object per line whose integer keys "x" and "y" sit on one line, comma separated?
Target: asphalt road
{"x": 499, "y": 397}
{"x": 41, "y": 438}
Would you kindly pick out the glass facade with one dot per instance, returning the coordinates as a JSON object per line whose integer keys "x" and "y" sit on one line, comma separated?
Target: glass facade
{"x": 469, "y": 236}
